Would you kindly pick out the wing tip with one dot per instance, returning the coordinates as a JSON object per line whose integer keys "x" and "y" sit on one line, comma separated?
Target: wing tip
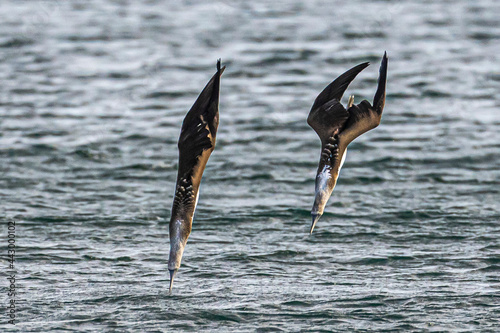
{"x": 383, "y": 63}
{"x": 357, "y": 69}
{"x": 379, "y": 98}
{"x": 220, "y": 69}
{"x": 385, "y": 59}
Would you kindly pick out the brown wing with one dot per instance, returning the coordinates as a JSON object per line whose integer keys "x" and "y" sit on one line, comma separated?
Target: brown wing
{"x": 364, "y": 117}
{"x": 327, "y": 113}
{"x": 199, "y": 128}
{"x": 196, "y": 142}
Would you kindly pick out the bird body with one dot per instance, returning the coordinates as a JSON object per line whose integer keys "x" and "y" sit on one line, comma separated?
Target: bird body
{"x": 196, "y": 143}
{"x": 337, "y": 126}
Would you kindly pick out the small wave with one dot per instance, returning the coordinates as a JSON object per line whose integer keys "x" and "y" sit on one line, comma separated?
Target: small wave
{"x": 15, "y": 42}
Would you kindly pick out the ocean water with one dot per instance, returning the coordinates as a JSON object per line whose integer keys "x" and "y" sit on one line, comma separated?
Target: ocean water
{"x": 92, "y": 97}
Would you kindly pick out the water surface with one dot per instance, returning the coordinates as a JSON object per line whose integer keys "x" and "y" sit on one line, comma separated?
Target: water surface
{"x": 92, "y": 97}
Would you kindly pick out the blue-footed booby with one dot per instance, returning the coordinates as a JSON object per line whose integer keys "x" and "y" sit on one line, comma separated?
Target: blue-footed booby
{"x": 196, "y": 143}
{"x": 337, "y": 127}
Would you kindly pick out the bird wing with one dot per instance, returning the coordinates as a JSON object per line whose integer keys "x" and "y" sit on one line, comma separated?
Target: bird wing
{"x": 199, "y": 128}
{"x": 327, "y": 113}
{"x": 364, "y": 116}
{"x": 196, "y": 142}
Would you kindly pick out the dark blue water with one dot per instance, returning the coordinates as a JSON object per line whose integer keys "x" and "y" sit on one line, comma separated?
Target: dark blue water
{"x": 92, "y": 97}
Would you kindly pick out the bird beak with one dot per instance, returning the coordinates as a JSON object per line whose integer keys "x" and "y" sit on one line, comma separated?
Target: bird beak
{"x": 315, "y": 218}
{"x": 172, "y": 275}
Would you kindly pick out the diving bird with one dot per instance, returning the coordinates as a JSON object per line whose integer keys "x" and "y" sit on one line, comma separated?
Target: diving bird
{"x": 196, "y": 143}
{"x": 337, "y": 126}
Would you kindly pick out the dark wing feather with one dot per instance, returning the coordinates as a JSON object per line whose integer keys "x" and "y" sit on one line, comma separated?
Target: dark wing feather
{"x": 379, "y": 98}
{"x": 327, "y": 113}
{"x": 364, "y": 117}
{"x": 199, "y": 128}
{"x": 327, "y": 118}
{"x": 336, "y": 89}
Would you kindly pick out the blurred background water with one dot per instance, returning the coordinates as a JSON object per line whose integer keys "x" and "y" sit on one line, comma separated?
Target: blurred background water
{"x": 92, "y": 97}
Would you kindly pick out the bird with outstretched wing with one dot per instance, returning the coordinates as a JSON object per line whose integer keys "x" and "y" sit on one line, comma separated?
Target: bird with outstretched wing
{"x": 196, "y": 143}
{"x": 337, "y": 126}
